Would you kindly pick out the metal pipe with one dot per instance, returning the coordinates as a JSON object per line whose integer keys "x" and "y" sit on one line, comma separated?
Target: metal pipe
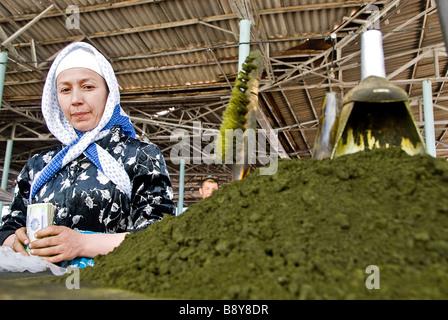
{"x": 244, "y": 44}
{"x": 372, "y": 55}
{"x": 429, "y": 118}
{"x": 180, "y": 201}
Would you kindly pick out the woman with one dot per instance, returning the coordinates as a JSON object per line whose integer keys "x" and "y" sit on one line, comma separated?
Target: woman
{"x": 103, "y": 182}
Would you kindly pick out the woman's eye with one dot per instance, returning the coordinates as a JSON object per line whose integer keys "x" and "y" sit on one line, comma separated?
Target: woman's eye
{"x": 64, "y": 90}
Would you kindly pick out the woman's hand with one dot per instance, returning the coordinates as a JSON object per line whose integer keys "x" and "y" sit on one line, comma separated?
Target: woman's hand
{"x": 57, "y": 243}
{"x": 17, "y": 241}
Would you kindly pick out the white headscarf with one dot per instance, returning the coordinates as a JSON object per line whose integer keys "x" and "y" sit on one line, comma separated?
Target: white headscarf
{"x": 79, "y": 58}
{"x": 76, "y": 142}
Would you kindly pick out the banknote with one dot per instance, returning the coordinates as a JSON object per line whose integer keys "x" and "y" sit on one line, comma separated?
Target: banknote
{"x": 38, "y": 216}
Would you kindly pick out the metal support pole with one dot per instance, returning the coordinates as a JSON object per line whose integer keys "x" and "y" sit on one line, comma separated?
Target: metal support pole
{"x": 3, "y": 60}
{"x": 429, "y": 118}
{"x": 180, "y": 201}
{"x": 244, "y": 45}
{"x": 6, "y": 165}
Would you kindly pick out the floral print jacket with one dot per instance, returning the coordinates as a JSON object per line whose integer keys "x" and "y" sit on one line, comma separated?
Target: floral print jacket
{"x": 86, "y": 199}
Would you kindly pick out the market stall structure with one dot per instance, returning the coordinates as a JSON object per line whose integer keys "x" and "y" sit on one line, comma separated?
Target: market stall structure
{"x": 177, "y": 62}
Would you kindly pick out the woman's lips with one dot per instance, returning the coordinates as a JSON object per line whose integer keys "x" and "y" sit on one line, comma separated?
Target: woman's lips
{"x": 79, "y": 115}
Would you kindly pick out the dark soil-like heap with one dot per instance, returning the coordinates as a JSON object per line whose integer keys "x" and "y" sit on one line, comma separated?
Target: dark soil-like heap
{"x": 307, "y": 232}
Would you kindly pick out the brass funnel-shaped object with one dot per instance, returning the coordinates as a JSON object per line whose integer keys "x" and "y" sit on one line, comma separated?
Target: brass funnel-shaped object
{"x": 376, "y": 113}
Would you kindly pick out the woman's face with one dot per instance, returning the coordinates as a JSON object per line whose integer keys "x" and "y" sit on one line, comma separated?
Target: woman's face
{"x": 82, "y": 95}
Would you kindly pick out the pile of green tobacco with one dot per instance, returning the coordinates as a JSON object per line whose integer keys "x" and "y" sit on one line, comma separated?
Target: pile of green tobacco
{"x": 309, "y": 231}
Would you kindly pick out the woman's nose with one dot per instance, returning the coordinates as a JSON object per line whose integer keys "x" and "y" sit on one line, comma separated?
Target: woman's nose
{"x": 77, "y": 97}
